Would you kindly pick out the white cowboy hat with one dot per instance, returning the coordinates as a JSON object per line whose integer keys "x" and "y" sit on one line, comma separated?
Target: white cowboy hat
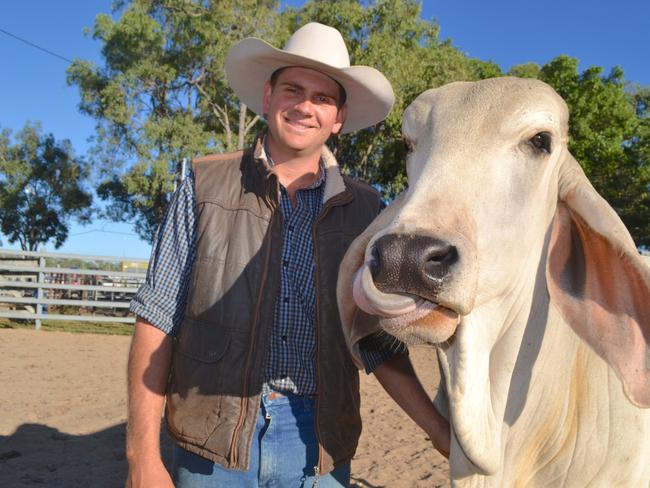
{"x": 250, "y": 63}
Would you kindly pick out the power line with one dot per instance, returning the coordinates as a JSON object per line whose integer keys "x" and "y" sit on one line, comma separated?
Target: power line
{"x": 91, "y": 231}
{"x": 36, "y": 46}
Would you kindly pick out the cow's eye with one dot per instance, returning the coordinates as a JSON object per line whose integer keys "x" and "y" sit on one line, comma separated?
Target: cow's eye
{"x": 541, "y": 141}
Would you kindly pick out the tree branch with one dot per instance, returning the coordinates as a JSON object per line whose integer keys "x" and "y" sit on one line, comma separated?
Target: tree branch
{"x": 220, "y": 113}
{"x": 251, "y": 124}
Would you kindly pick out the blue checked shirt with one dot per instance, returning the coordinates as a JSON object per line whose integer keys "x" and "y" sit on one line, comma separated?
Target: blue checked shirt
{"x": 291, "y": 356}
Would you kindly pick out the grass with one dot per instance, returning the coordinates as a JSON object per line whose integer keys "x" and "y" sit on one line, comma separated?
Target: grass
{"x": 78, "y": 327}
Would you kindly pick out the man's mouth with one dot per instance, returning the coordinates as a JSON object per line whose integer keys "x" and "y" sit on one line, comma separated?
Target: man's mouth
{"x": 298, "y": 125}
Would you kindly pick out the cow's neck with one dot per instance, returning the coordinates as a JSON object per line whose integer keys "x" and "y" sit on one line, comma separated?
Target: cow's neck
{"x": 478, "y": 370}
{"x": 479, "y": 366}
{"x": 512, "y": 391}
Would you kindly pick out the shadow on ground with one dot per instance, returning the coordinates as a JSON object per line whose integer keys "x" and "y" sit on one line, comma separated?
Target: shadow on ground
{"x": 39, "y": 455}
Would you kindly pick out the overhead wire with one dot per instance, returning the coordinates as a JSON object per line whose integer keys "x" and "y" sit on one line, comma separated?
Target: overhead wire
{"x": 29, "y": 43}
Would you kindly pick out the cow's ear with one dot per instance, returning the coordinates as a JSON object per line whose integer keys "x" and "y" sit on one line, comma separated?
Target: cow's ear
{"x": 599, "y": 281}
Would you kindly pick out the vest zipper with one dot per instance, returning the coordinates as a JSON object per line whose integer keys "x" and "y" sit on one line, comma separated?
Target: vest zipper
{"x": 318, "y": 469}
{"x": 234, "y": 457}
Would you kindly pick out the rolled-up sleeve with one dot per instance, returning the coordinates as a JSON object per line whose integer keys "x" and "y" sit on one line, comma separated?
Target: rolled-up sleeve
{"x": 161, "y": 300}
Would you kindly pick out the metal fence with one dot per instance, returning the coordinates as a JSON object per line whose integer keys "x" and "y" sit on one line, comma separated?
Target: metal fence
{"x": 57, "y": 286}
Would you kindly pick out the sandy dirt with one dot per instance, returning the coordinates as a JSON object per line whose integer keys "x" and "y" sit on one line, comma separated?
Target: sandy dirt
{"x": 63, "y": 413}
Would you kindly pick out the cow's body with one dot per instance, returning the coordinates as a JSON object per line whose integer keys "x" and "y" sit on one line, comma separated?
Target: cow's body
{"x": 543, "y": 318}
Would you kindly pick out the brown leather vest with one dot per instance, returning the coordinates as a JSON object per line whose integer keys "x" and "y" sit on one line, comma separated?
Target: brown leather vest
{"x": 214, "y": 391}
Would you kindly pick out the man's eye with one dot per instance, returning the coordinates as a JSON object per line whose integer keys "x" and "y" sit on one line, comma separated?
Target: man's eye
{"x": 541, "y": 141}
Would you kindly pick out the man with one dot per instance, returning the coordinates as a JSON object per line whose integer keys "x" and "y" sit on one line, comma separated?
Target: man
{"x": 237, "y": 323}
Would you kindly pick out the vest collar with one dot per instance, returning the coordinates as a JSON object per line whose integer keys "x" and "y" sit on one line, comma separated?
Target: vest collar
{"x": 334, "y": 183}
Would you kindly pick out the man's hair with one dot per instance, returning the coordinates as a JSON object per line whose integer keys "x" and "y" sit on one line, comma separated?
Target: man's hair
{"x": 342, "y": 95}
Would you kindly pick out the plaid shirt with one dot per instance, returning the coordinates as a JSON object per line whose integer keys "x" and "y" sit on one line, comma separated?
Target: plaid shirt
{"x": 292, "y": 347}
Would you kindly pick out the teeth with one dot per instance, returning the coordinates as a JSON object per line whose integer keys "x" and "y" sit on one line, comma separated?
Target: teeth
{"x": 299, "y": 124}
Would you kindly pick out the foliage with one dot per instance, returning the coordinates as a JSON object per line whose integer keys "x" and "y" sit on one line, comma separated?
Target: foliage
{"x": 42, "y": 188}
{"x": 527, "y": 70}
{"x": 162, "y": 95}
{"x": 391, "y": 36}
{"x": 609, "y": 134}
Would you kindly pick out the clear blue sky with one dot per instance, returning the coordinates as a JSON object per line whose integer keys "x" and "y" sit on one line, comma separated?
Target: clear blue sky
{"x": 32, "y": 83}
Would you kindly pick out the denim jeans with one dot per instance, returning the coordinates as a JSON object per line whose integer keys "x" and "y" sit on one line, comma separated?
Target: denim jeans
{"x": 283, "y": 454}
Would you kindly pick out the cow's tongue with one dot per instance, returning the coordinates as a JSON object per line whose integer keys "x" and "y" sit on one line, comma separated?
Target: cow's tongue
{"x": 400, "y": 308}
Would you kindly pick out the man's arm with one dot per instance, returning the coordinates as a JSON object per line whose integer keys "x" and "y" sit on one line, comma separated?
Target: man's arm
{"x": 398, "y": 378}
{"x": 148, "y": 372}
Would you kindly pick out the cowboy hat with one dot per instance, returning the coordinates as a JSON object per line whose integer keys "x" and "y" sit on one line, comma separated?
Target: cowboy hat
{"x": 250, "y": 63}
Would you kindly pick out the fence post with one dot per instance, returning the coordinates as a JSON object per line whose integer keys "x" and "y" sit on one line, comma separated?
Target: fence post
{"x": 39, "y": 293}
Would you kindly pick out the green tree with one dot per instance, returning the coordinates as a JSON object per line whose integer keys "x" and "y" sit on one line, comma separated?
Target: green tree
{"x": 637, "y": 152}
{"x": 609, "y": 134}
{"x": 162, "y": 96}
{"x": 527, "y": 70}
{"x": 42, "y": 187}
{"x": 391, "y": 36}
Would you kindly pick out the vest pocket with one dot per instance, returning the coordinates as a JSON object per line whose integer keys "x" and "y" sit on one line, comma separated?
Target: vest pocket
{"x": 195, "y": 390}
{"x": 203, "y": 342}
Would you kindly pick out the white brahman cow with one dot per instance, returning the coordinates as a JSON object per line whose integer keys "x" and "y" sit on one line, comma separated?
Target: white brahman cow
{"x": 502, "y": 254}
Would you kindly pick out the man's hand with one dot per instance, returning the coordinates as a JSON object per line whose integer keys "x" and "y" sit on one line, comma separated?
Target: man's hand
{"x": 148, "y": 475}
{"x": 398, "y": 378}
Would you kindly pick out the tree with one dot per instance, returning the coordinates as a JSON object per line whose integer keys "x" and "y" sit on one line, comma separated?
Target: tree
{"x": 609, "y": 134}
{"x": 42, "y": 188}
{"x": 391, "y": 36}
{"x": 637, "y": 152}
{"x": 162, "y": 93}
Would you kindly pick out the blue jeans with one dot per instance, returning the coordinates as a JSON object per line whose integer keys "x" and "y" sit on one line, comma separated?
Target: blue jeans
{"x": 283, "y": 454}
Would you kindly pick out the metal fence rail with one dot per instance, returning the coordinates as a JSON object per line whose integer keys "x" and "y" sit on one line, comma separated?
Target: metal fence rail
{"x": 29, "y": 287}
{"x": 45, "y": 285}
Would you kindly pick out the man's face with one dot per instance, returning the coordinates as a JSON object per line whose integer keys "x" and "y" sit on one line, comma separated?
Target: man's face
{"x": 302, "y": 112}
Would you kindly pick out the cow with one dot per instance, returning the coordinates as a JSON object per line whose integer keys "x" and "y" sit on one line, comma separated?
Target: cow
{"x": 502, "y": 255}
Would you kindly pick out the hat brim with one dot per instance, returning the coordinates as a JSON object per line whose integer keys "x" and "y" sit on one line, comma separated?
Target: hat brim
{"x": 251, "y": 62}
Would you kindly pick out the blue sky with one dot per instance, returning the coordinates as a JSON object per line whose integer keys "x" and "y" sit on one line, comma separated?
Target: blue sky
{"x": 508, "y": 32}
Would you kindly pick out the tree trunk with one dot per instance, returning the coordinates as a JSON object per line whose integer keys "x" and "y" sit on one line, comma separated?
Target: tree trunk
{"x": 242, "y": 126}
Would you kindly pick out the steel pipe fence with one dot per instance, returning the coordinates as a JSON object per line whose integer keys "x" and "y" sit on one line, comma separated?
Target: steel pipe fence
{"x": 57, "y": 286}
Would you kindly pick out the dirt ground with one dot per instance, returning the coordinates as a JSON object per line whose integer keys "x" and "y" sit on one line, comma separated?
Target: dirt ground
{"x": 63, "y": 413}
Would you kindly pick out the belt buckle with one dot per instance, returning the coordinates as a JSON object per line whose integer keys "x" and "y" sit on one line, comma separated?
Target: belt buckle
{"x": 274, "y": 395}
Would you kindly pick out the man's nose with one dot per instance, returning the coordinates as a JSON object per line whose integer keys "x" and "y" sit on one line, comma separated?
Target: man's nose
{"x": 304, "y": 106}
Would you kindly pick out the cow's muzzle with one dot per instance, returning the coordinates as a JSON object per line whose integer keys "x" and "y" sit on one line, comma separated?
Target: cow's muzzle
{"x": 413, "y": 264}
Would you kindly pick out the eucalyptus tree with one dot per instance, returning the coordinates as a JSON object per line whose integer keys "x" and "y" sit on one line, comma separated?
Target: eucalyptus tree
{"x": 42, "y": 188}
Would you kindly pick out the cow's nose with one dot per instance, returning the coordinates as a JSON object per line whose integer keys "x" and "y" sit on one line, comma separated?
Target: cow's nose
{"x": 411, "y": 263}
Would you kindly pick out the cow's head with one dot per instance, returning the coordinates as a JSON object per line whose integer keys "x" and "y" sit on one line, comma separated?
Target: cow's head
{"x": 493, "y": 192}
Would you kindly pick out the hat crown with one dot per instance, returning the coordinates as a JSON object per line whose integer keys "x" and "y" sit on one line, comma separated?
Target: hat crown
{"x": 321, "y": 43}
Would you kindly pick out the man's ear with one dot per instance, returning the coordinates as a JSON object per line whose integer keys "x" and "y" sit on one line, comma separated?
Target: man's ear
{"x": 340, "y": 119}
{"x": 266, "y": 97}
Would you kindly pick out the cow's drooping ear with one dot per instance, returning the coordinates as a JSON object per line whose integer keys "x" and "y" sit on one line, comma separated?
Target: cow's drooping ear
{"x": 600, "y": 282}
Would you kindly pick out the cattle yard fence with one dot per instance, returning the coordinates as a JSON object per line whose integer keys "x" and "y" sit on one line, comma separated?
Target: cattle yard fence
{"x": 55, "y": 286}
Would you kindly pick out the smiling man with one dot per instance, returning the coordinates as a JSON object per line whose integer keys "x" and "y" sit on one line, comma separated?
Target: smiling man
{"x": 238, "y": 327}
